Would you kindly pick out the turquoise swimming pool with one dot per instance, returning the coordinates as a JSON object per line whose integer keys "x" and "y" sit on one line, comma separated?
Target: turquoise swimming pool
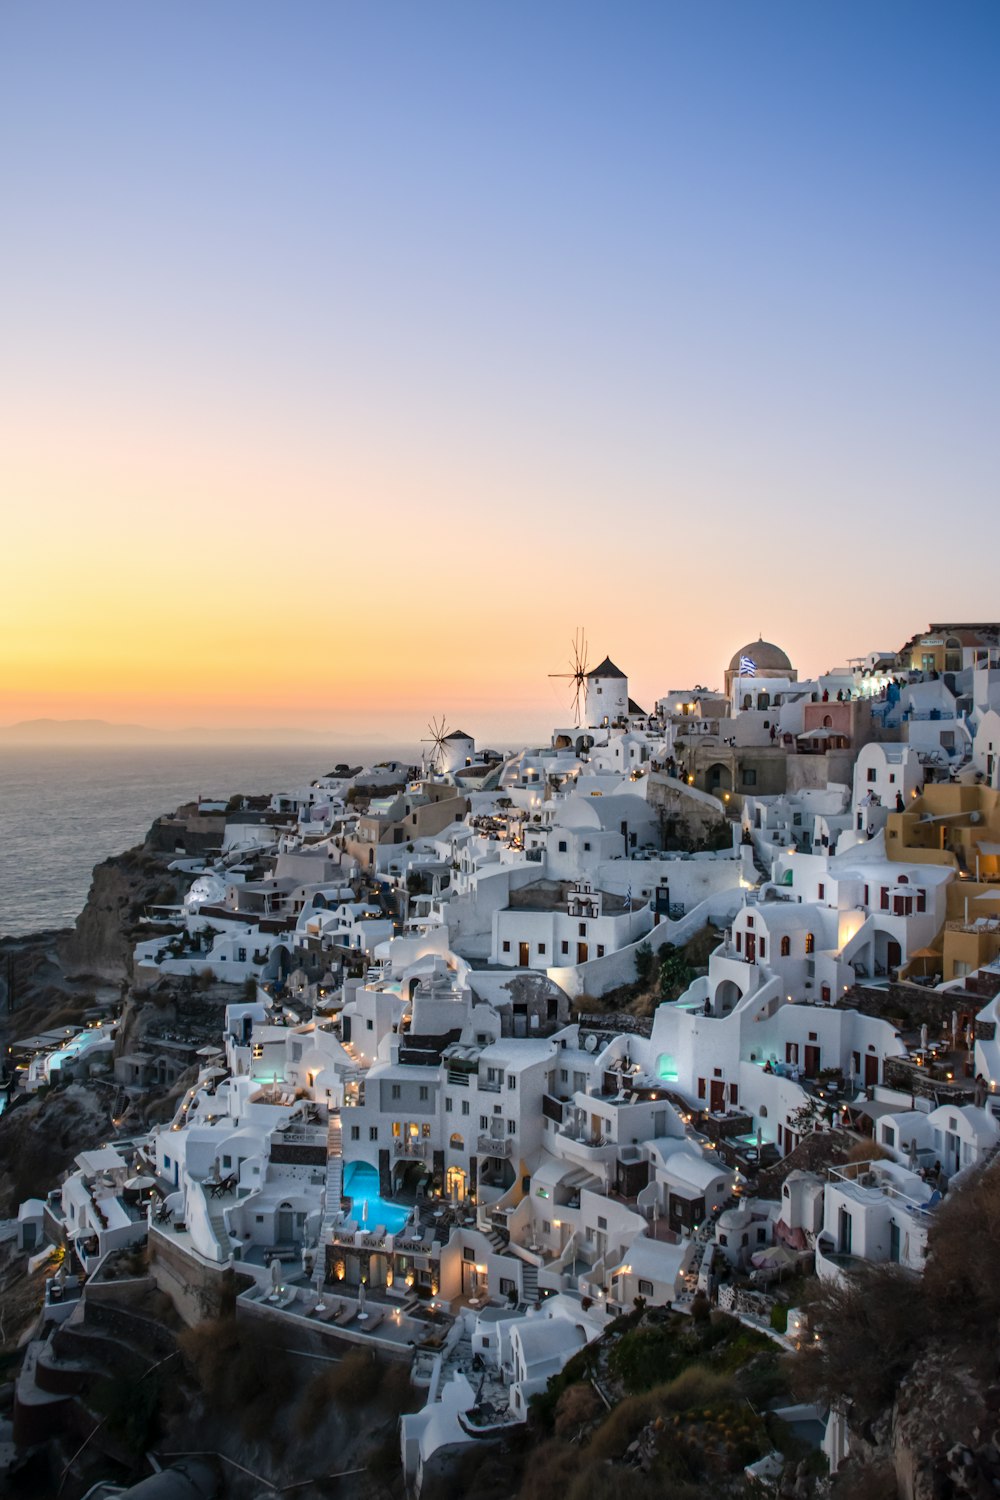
{"x": 361, "y": 1186}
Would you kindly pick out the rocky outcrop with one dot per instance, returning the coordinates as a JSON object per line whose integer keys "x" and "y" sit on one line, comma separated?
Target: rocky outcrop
{"x": 102, "y": 940}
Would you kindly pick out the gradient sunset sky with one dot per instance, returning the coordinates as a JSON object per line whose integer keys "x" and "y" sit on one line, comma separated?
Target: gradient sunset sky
{"x": 353, "y": 354}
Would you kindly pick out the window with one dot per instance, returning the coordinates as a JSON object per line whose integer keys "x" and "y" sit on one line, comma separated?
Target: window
{"x": 701, "y": 1088}
{"x": 484, "y": 1122}
{"x": 600, "y": 950}
{"x": 241, "y": 955}
{"x": 506, "y": 945}
{"x": 396, "y": 1091}
{"x": 227, "y": 1161}
{"x": 465, "y": 1106}
{"x": 425, "y": 1092}
{"x": 355, "y": 1132}
{"x": 739, "y": 942}
{"x": 810, "y": 943}
{"x": 447, "y": 1105}
{"x": 373, "y": 1132}
{"x": 749, "y": 778}
{"x": 749, "y": 921}
{"x": 586, "y": 848}
{"x": 562, "y": 846}
{"x": 921, "y": 901}
{"x": 370, "y": 1024}
{"x": 786, "y": 946}
{"x": 716, "y": 1072}
{"x": 541, "y": 948}
{"x": 601, "y": 1223}
{"x": 425, "y": 1131}
{"x": 645, "y": 1288}
{"x": 511, "y": 1081}
{"x": 762, "y": 947}
{"x": 820, "y": 891}
{"x": 546, "y": 1227}
{"x": 888, "y": 1135}
{"x": 872, "y": 775}
{"x": 582, "y": 929}
{"x": 564, "y": 947}
{"x": 511, "y": 1127}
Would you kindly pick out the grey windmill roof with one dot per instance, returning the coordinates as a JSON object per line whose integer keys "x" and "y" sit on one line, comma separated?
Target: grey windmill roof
{"x": 607, "y": 668}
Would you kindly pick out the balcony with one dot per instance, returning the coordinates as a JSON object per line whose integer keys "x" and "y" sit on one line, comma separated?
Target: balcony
{"x": 499, "y": 1146}
{"x": 404, "y": 1146}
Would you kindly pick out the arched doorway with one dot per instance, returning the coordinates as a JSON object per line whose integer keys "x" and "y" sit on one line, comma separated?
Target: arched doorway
{"x": 727, "y": 996}
{"x": 719, "y": 778}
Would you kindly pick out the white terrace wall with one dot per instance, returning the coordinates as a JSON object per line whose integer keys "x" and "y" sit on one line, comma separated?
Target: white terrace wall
{"x": 599, "y": 975}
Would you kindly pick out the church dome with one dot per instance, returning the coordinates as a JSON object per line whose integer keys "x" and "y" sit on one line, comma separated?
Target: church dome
{"x": 765, "y": 656}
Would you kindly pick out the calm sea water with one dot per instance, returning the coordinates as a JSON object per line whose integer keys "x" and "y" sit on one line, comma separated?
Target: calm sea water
{"x": 64, "y": 810}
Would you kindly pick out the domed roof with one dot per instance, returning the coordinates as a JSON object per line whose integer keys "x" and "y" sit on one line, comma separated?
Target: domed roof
{"x": 765, "y": 656}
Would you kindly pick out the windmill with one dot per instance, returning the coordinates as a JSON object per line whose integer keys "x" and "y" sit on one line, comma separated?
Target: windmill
{"x": 436, "y": 736}
{"x": 578, "y": 670}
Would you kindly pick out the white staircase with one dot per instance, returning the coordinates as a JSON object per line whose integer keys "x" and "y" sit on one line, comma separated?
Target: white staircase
{"x": 529, "y": 1283}
{"x": 333, "y": 1191}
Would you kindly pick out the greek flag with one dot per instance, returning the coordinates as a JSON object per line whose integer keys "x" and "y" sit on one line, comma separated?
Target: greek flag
{"x": 748, "y": 667}
{"x": 628, "y": 897}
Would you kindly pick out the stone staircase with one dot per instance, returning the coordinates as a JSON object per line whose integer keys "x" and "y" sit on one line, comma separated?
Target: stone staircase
{"x": 333, "y": 1191}
{"x": 529, "y": 1283}
{"x": 498, "y": 1240}
{"x": 217, "y": 1219}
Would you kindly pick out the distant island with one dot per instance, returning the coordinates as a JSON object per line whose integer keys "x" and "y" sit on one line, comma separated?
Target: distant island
{"x": 104, "y": 732}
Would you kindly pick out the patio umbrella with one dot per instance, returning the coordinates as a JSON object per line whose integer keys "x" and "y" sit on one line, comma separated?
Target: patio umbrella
{"x": 275, "y": 1276}
{"x": 361, "y": 1300}
{"x": 774, "y": 1258}
{"x": 319, "y": 1278}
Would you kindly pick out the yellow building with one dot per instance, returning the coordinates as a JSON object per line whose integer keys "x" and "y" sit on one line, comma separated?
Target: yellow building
{"x": 958, "y": 826}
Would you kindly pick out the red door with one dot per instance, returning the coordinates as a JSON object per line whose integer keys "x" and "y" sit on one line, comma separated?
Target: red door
{"x": 812, "y": 1062}
{"x": 871, "y": 1069}
{"x": 718, "y": 1099}
{"x": 751, "y": 947}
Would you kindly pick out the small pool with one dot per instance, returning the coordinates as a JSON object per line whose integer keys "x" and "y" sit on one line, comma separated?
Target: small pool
{"x": 361, "y": 1186}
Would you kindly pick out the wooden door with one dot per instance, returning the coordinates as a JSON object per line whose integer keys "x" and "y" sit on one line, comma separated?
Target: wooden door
{"x": 871, "y": 1070}
{"x": 718, "y": 1098}
{"x": 812, "y": 1062}
{"x": 581, "y": 953}
{"x": 522, "y": 955}
{"x": 751, "y": 948}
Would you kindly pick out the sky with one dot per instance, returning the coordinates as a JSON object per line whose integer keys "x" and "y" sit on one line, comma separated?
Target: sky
{"x": 352, "y": 355}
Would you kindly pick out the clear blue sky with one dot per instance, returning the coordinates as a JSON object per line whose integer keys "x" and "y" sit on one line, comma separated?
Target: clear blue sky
{"x": 654, "y": 293}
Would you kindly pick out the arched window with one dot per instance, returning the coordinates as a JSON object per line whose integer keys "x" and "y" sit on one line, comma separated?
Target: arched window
{"x": 904, "y": 880}
{"x": 457, "y": 1143}
{"x": 763, "y": 1111}
{"x": 786, "y": 946}
{"x": 747, "y": 700}
{"x": 810, "y": 943}
{"x": 827, "y": 722}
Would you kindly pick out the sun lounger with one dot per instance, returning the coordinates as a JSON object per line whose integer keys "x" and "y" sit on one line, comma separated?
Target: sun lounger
{"x": 327, "y": 1312}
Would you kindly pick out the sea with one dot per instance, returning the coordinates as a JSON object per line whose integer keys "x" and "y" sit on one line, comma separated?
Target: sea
{"x": 65, "y": 809}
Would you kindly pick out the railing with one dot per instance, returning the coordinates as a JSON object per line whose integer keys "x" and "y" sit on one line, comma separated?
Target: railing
{"x": 411, "y": 1148}
{"x": 489, "y": 1145}
{"x": 489, "y": 1086}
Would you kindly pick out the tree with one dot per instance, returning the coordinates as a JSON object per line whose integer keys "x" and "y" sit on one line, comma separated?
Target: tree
{"x": 644, "y": 964}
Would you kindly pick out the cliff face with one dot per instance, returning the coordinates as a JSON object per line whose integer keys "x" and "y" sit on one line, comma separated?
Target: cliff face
{"x": 102, "y": 940}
